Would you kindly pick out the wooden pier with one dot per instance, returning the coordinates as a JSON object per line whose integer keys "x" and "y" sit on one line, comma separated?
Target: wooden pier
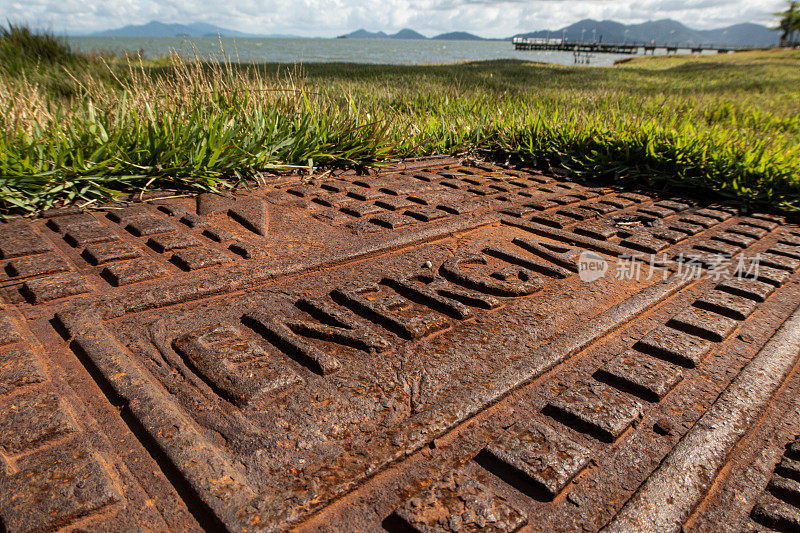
{"x": 632, "y": 48}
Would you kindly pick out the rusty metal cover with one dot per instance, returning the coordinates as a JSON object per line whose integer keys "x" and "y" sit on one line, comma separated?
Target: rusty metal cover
{"x": 436, "y": 347}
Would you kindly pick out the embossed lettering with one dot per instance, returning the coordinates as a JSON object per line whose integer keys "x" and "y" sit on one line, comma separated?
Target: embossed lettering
{"x": 519, "y": 282}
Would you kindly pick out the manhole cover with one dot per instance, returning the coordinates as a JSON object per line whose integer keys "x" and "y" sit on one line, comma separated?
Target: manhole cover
{"x": 436, "y": 348}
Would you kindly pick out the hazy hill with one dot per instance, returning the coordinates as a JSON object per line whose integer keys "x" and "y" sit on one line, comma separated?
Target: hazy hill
{"x": 364, "y": 34}
{"x": 160, "y": 29}
{"x": 745, "y": 33}
{"x": 402, "y": 34}
{"x": 405, "y": 33}
{"x": 458, "y": 36}
{"x": 663, "y": 32}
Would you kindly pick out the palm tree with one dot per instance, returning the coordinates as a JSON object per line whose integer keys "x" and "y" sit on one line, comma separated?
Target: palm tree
{"x": 790, "y": 23}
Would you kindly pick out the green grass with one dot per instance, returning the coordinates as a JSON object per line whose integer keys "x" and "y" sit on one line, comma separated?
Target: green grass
{"x": 80, "y": 128}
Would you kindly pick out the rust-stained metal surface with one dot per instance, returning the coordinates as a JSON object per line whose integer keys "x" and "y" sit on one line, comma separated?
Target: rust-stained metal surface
{"x": 435, "y": 347}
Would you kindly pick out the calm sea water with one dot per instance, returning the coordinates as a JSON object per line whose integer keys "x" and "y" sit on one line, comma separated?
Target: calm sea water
{"x": 378, "y": 51}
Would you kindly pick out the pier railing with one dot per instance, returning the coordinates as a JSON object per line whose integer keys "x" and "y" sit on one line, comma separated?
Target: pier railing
{"x": 629, "y": 48}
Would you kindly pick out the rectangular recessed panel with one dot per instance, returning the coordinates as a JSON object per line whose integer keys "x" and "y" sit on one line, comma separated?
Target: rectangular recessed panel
{"x": 641, "y": 374}
{"x": 474, "y": 506}
{"x": 727, "y": 304}
{"x": 540, "y": 455}
{"x": 675, "y": 346}
{"x": 705, "y": 324}
{"x": 600, "y": 410}
{"x": 37, "y": 265}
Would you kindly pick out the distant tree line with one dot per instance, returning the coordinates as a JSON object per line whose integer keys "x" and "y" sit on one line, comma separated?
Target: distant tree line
{"x": 790, "y": 24}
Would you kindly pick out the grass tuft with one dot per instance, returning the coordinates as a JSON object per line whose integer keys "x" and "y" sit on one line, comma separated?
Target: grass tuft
{"x": 19, "y": 45}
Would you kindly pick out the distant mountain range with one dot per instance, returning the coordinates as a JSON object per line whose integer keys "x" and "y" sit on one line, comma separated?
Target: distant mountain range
{"x": 411, "y": 34}
{"x": 661, "y": 31}
{"x": 196, "y": 29}
{"x": 665, "y": 31}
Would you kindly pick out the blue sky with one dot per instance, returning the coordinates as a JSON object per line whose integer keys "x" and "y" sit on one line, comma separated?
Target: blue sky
{"x": 488, "y": 18}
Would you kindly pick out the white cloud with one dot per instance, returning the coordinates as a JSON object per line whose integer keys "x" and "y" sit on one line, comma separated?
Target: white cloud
{"x": 488, "y": 18}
